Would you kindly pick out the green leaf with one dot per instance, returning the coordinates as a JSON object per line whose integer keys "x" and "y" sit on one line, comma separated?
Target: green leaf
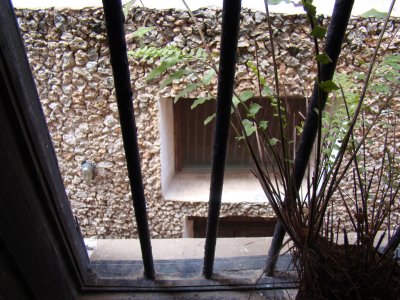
{"x": 189, "y": 88}
{"x": 263, "y": 124}
{"x": 254, "y": 109}
{"x": 373, "y": 13}
{"x": 174, "y": 76}
{"x": 380, "y": 88}
{"x": 273, "y": 141}
{"x": 318, "y": 32}
{"x": 127, "y": 6}
{"x": 235, "y": 101}
{"x": 327, "y": 151}
{"x": 164, "y": 66}
{"x": 266, "y": 91}
{"x": 359, "y": 75}
{"x": 246, "y": 95}
{"x": 201, "y": 53}
{"x": 275, "y": 2}
{"x": 248, "y": 127}
{"x": 142, "y": 31}
{"x": 309, "y": 8}
{"x": 328, "y": 86}
{"x": 393, "y": 58}
{"x": 209, "y": 119}
{"x": 199, "y": 101}
{"x": 323, "y": 58}
{"x": 256, "y": 72}
{"x": 209, "y": 76}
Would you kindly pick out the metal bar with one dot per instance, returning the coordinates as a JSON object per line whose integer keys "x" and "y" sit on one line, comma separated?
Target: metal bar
{"x": 119, "y": 62}
{"x": 337, "y": 29}
{"x": 229, "y": 40}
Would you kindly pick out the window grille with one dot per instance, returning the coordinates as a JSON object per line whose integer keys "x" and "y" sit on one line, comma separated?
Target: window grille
{"x": 47, "y": 220}
{"x": 118, "y": 52}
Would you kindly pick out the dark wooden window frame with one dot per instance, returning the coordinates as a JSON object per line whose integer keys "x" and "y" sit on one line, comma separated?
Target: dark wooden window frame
{"x": 38, "y": 234}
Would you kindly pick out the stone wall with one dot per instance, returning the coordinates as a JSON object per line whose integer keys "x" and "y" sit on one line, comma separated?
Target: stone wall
{"x": 69, "y": 57}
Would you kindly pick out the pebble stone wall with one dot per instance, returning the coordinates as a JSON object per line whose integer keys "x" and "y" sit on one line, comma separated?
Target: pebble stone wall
{"x": 69, "y": 58}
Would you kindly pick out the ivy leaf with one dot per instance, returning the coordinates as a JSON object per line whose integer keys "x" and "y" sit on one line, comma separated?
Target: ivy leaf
{"x": 373, "y": 13}
{"x": 318, "y": 32}
{"x": 328, "y": 86}
{"x": 323, "y": 58}
{"x": 254, "y": 109}
{"x": 142, "y": 31}
{"x": 273, "y": 141}
{"x": 263, "y": 124}
{"x": 208, "y": 77}
{"x": 248, "y": 127}
{"x": 209, "y": 119}
{"x": 174, "y": 76}
{"x": 189, "y": 88}
{"x": 199, "y": 101}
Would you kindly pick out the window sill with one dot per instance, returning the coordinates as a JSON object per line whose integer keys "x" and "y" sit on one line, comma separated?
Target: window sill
{"x": 195, "y": 187}
{"x": 238, "y": 265}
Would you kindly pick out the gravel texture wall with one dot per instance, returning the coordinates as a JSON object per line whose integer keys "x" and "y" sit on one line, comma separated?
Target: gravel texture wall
{"x": 69, "y": 57}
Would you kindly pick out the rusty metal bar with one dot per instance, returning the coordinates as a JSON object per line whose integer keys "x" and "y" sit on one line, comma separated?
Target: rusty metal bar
{"x": 229, "y": 39}
{"x": 119, "y": 62}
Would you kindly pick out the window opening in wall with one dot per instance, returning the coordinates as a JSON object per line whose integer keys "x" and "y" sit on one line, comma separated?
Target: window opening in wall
{"x": 231, "y": 226}
{"x": 194, "y": 140}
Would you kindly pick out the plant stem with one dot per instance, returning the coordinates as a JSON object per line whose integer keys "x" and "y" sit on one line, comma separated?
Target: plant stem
{"x": 336, "y": 32}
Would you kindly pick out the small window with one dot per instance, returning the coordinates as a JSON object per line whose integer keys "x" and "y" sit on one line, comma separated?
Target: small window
{"x": 194, "y": 140}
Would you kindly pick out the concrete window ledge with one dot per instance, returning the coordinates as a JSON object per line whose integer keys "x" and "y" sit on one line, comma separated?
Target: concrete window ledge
{"x": 182, "y": 248}
{"x": 195, "y": 187}
{"x": 238, "y": 266}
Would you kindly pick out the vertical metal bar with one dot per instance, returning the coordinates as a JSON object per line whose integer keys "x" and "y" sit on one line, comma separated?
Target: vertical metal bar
{"x": 229, "y": 40}
{"x": 333, "y": 46}
{"x": 119, "y": 62}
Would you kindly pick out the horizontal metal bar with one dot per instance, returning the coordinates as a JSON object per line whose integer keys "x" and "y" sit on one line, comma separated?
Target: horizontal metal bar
{"x": 119, "y": 62}
{"x": 229, "y": 40}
